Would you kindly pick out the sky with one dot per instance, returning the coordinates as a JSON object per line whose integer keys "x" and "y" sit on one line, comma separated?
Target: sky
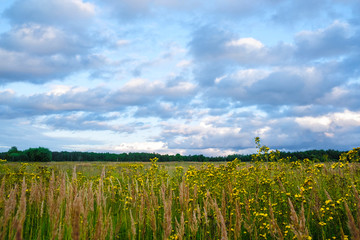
{"x": 173, "y": 76}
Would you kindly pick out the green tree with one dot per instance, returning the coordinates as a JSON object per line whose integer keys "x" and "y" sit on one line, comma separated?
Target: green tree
{"x": 14, "y": 155}
{"x": 13, "y": 150}
{"x": 39, "y": 154}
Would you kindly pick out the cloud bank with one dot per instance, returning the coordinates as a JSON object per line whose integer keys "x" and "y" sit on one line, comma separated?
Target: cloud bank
{"x": 180, "y": 77}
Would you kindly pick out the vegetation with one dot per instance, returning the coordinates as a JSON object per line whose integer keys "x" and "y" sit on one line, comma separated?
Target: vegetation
{"x": 39, "y": 154}
{"x": 259, "y": 200}
{"x": 44, "y": 154}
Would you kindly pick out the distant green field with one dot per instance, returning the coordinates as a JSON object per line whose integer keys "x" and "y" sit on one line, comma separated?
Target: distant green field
{"x": 95, "y": 168}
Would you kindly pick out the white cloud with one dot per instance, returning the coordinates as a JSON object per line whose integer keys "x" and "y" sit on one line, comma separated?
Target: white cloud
{"x": 183, "y": 63}
{"x": 347, "y": 119}
{"x": 66, "y": 13}
{"x": 331, "y": 123}
{"x": 247, "y": 43}
{"x": 42, "y": 40}
{"x": 122, "y": 42}
{"x": 315, "y": 124}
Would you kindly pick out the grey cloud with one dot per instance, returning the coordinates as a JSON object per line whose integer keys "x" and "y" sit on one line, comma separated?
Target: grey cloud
{"x": 334, "y": 41}
{"x": 43, "y": 40}
{"x": 208, "y": 43}
{"x": 129, "y": 10}
{"x": 242, "y": 8}
{"x": 48, "y": 40}
{"x": 216, "y": 52}
{"x": 282, "y": 133}
{"x": 21, "y": 66}
{"x": 138, "y": 93}
{"x": 278, "y": 88}
{"x": 166, "y": 110}
{"x": 41, "y": 104}
{"x": 33, "y": 136}
{"x": 207, "y": 47}
{"x": 290, "y": 13}
{"x": 346, "y": 95}
{"x": 349, "y": 67}
{"x": 64, "y": 13}
{"x": 282, "y": 86}
{"x": 161, "y": 110}
{"x": 285, "y": 75}
{"x": 234, "y": 133}
{"x": 90, "y": 121}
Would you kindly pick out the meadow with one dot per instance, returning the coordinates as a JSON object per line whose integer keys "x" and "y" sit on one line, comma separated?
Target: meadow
{"x": 264, "y": 199}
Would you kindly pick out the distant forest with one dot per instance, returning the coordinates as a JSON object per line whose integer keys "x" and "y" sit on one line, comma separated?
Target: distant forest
{"x": 45, "y": 155}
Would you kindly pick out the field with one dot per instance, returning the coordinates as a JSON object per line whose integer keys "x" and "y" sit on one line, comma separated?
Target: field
{"x": 233, "y": 200}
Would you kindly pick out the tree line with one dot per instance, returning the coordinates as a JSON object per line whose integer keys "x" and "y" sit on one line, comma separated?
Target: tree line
{"x": 42, "y": 154}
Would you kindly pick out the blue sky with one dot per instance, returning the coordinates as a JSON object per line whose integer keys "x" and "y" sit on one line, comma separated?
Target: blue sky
{"x": 189, "y": 77}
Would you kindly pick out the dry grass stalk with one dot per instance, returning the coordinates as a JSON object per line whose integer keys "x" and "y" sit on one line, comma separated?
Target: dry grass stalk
{"x": 56, "y": 211}
{"x": 354, "y": 230}
{"x": 107, "y": 224}
{"x": 206, "y": 207}
{"x": 238, "y": 220}
{"x": 281, "y": 185}
{"x": 275, "y": 230}
{"x": 21, "y": 212}
{"x": 195, "y": 219}
{"x": 141, "y": 216}
{"x": 69, "y": 204}
{"x": 99, "y": 225}
{"x": 316, "y": 203}
{"x": 120, "y": 186}
{"x": 152, "y": 221}
{"x": 195, "y": 196}
{"x": 111, "y": 226}
{"x": 62, "y": 189}
{"x": 74, "y": 175}
{"x": 42, "y": 208}
{"x": 59, "y": 233}
{"x": 223, "y": 203}
{"x": 75, "y": 218}
{"x": 153, "y": 198}
{"x": 220, "y": 220}
{"x": 35, "y": 193}
{"x": 180, "y": 227}
{"x": 298, "y": 224}
{"x": 167, "y": 200}
{"x": 249, "y": 223}
{"x": 356, "y": 194}
{"x": 10, "y": 205}
{"x": 342, "y": 233}
{"x": 133, "y": 226}
{"x": 183, "y": 195}
{"x": 327, "y": 195}
{"x": 51, "y": 204}
{"x": 2, "y": 192}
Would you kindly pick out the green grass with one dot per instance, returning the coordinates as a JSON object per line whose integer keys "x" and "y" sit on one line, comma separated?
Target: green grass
{"x": 179, "y": 200}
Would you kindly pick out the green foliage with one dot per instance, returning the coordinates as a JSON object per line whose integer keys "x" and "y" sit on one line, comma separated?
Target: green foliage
{"x": 264, "y": 154}
{"x": 15, "y": 155}
{"x": 351, "y": 156}
{"x": 39, "y": 154}
{"x": 13, "y": 150}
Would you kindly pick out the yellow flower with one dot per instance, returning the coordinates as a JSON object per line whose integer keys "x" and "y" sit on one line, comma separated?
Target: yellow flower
{"x": 322, "y": 223}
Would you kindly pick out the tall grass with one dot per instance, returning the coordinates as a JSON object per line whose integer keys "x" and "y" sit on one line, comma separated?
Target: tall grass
{"x": 300, "y": 200}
